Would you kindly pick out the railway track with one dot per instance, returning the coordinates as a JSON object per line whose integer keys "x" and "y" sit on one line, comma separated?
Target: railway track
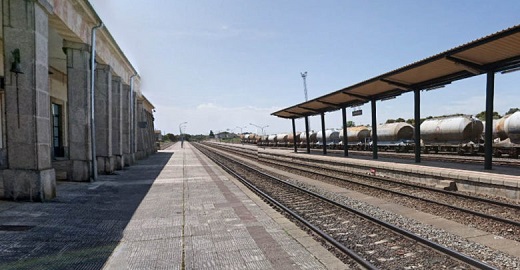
{"x": 443, "y": 157}
{"x": 500, "y": 218}
{"x": 377, "y": 243}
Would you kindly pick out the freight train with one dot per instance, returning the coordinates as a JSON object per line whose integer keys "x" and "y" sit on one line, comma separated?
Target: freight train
{"x": 462, "y": 134}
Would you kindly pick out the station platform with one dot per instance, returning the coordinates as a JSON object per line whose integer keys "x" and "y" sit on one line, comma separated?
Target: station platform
{"x": 174, "y": 210}
{"x": 501, "y": 181}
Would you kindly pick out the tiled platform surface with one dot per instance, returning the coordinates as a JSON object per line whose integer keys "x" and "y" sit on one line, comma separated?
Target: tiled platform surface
{"x": 174, "y": 210}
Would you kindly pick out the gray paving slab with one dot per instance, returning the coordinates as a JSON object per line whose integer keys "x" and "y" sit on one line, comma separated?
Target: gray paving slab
{"x": 174, "y": 210}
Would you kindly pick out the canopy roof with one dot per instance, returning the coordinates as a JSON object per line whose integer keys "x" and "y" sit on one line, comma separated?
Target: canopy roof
{"x": 493, "y": 53}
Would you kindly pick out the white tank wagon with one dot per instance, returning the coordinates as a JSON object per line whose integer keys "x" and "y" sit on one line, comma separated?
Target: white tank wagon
{"x": 395, "y": 136}
{"x": 357, "y": 137}
{"x": 271, "y": 140}
{"x": 262, "y": 140}
{"x": 312, "y": 139}
{"x": 331, "y": 138}
{"x": 457, "y": 133}
{"x": 511, "y": 127}
{"x": 394, "y": 132}
{"x": 246, "y": 138}
{"x": 291, "y": 139}
{"x": 281, "y": 139}
{"x": 507, "y": 130}
{"x": 253, "y": 138}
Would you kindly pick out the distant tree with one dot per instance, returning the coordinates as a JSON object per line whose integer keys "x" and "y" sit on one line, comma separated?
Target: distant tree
{"x": 170, "y": 137}
{"x": 199, "y": 137}
{"x": 410, "y": 121}
{"x": 512, "y": 110}
{"x": 482, "y": 115}
{"x": 399, "y": 120}
{"x": 211, "y": 135}
{"x": 389, "y": 121}
{"x": 351, "y": 124}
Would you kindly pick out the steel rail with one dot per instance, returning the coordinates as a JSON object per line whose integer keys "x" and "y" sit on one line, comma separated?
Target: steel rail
{"x": 317, "y": 230}
{"x": 484, "y": 215}
{"x": 419, "y": 239}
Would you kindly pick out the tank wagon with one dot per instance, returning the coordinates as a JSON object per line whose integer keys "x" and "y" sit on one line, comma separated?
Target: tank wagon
{"x": 291, "y": 139}
{"x": 262, "y": 140}
{"x": 507, "y": 131}
{"x": 312, "y": 139}
{"x": 252, "y": 138}
{"x": 245, "y": 139}
{"x": 395, "y": 136}
{"x": 455, "y": 134}
{"x": 282, "y": 139}
{"x": 357, "y": 137}
{"x": 271, "y": 140}
{"x": 331, "y": 138}
{"x": 459, "y": 134}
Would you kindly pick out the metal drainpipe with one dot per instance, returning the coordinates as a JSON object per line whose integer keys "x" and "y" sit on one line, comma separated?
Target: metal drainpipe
{"x": 92, "y": 99}
{"x": 132, "y": 114}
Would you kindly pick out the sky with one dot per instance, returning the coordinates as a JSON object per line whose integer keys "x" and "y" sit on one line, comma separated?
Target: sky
{"x": 227, "y": 64}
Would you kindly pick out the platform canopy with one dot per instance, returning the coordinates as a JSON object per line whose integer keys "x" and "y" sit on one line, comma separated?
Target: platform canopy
{"x": 499, "y": 52}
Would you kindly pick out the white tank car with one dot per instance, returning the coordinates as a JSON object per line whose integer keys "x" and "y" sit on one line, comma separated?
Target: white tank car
{"x": 451, "y": 130}
{"x": 357, "y": 137}
{"x": 291, "y": 138}
{"x": 271, "y": 140}
{"x": 331, "y": 137}
{"x": 511, "y": 127}
{"x": 394, "y": 132}
{"x": 281, "y": 139}
{"x": 312, "y": 138}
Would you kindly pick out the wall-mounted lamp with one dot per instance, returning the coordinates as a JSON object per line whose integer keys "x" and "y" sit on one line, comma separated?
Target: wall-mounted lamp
{"x": 16, "y": 69}
{"x": 15, "y": 65}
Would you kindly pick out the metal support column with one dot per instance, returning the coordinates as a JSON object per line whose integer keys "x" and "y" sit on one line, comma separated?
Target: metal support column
{"x": 294, "y": 135}
{"x": 374, "y": 129}
{"x": 307, "y": 139}
{"x": 417, "y": 124}
{"x": 488, "y": 140}
{"x": 323, "y": 135}
{"x": 345, "y": 139}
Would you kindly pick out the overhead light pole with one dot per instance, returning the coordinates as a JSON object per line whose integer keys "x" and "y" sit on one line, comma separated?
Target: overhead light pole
{"x": 241, "y": 129}
{"x": 260, "y": 127}
{"x": 304, "y": 76}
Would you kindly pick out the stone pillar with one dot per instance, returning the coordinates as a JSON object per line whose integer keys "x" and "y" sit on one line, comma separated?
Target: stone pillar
{"x": 29, "y": 175}
{"x": 78, "y": 97}
{"x": 134, "y": 128}
{"x": 128, "y": 156}
{"x": 151, "y": 134}
{"x": 147, "y": 132}
{"x": 140, "y": 130}
{"x": 103, "y": 119}
{"x": 117, "y": 124}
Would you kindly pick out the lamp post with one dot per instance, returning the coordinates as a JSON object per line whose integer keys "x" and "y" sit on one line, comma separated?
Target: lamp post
{"x": 262, "y": 128}
{"x": 180, "y": 133}
{"x": 304, "y": 76}
{"x": 241, "y": 129}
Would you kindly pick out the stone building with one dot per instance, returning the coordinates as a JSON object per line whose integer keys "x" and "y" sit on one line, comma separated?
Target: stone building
{"x": 46, "y": 130}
